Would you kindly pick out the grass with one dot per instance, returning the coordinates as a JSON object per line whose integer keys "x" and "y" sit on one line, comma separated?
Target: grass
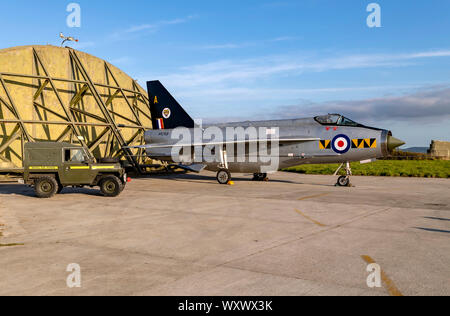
{"x": 385, "y": 168}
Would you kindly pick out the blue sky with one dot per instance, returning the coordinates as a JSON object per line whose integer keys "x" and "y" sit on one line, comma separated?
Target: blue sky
{"x": 233, "y": 60}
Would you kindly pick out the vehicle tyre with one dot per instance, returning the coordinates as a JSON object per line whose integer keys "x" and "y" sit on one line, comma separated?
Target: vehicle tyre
{"x": 223, "y": 176}
{"x": 343, "y": 181}
{"x": 46, "y": 187}
{"x": 111, "y": 186}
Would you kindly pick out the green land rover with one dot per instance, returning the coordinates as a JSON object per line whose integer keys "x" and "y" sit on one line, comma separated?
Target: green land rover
{"x": 51, "y": 166}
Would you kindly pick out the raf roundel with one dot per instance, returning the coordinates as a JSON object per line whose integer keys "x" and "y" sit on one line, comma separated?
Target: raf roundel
{"x": 341, "y": 144}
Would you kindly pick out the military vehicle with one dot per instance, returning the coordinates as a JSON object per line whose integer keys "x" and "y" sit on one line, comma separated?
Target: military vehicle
{"x": 51, "y": 166}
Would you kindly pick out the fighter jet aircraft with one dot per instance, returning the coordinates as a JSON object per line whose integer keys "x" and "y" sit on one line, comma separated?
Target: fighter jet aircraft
{"x": 265, "y": 146}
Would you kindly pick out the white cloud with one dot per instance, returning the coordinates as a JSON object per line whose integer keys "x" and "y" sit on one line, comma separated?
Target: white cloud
{"x": 224, "y": 73}
{"x": 149, "y": 27}
{"x": 426, "y": 110}
{"x": 261, "y": 94}
{"x": 133, "y": 31}
{"x": 144, "y": 27}
{"x": 226, "y": 83}
{"x": 248, "y": 43}
{"x": 427, "y": 105}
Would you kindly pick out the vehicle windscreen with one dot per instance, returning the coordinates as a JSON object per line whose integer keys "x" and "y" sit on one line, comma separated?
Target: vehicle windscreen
{"x": 75, "y": 155}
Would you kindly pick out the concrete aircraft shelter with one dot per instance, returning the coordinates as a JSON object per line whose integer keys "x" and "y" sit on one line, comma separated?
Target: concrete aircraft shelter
{"x": 50, "y": 93}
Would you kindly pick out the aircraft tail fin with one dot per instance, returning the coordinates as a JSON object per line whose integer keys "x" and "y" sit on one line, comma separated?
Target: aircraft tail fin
{"x": 167, "y": 113}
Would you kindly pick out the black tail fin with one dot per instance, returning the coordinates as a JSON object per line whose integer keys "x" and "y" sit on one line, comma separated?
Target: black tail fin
{"x": 167, "y": 113}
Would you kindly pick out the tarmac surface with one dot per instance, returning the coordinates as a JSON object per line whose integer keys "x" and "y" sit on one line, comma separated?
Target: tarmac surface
{"x": 188, "y": 235}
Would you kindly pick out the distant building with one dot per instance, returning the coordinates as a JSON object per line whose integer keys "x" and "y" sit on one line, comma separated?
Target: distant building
{"x": 440, "y": 149}
{"x": 417, "y": 150}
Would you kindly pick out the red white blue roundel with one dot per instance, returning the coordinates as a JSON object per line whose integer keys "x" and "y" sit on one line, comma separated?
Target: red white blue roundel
{"x": 341, "y": 144}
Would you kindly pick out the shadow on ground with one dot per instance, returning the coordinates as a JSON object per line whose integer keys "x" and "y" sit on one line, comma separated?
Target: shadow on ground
{"x": 190, "y": 177}
{"x": 10, "y": 189}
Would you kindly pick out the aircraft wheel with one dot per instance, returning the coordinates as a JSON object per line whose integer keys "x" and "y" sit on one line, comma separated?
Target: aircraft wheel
{"x": 343, "y": 181}
{"x": 260, "y": 177}
{"x": 223, "y": 176}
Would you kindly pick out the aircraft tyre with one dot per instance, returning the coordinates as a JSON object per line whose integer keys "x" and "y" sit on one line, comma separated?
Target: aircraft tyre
{"x": 260, "y": 177}
{"x": 223, "y": 176}
{"x": 343, "y": 181}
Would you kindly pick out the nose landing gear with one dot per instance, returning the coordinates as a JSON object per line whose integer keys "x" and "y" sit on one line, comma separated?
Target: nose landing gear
{"x": 344, "y": 181}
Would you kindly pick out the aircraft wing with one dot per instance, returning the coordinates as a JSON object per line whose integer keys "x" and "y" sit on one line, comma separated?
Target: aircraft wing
{"x": 281, "y": 140}
{"x": 197, "y": 168}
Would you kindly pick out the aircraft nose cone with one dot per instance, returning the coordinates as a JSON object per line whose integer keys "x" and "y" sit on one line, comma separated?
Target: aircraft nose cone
{"x": 394, "y": 143}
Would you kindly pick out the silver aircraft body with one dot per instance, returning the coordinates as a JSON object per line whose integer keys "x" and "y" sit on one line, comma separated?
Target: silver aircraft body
{"x": 324, "y": 139}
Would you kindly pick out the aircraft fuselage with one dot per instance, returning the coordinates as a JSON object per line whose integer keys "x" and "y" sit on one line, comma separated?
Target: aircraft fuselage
{"x": 333, "y": 144}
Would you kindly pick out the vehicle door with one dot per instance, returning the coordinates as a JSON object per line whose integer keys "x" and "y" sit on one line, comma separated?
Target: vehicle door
{"x": 76, "y": 168}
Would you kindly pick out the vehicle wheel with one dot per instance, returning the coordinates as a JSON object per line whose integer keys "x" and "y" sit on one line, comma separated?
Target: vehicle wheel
{"x": 111, "y": 186}
{"x": 223, "y": 176}
{"x": 343, "y": 181}
{"x": 45, "y": 187}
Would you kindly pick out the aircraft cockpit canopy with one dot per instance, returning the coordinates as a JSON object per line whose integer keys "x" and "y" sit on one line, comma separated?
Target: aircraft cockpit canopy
{"x": 336, "y": 119}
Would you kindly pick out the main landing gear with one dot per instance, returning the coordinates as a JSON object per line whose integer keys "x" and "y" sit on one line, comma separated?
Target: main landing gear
{"x": 223, "y": 175}
{"x": 260, "y": 177}
{"x": 344, "y": 181}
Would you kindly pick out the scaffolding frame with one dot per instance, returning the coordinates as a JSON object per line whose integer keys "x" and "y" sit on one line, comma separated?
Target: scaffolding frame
{"x": 74, "y": 118}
